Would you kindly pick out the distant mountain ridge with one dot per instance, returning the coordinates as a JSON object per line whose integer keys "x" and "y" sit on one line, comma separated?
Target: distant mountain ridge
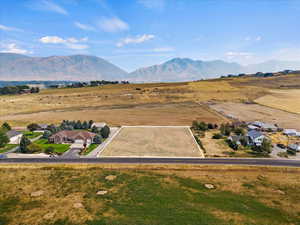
{"x": 185, "y": 69}
{"x": 74, "y": 67}
{"x": 86, "y": 68}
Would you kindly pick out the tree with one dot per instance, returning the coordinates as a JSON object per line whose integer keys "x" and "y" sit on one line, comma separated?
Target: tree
{"x": 265, "y": 148}
{"x": 90, "y": 124}
{"x": 239, "y": 131}
{"x": 46, "y": 134}
{"x": 217, "y": 136}
{"x": 225, "y": 129}
{"x": 3, "y": 138}
{"x": 244, "y": 141}
{"x": 24, "y": 144}
{"x": 85, "y": 125}
{"x": 233, "y": 144}
{"x": 33, "y": 127}
{"x": 95, "y": 130}
{"x": 31, "y": 148}
{"x": 6, "y": 126}
{"x": 78, "y": 125}
{"x": 97, "y": 139}
{"x": 49, "y": 150}
{"x": 105, "y": 131}
{"x": 210, "y": 126}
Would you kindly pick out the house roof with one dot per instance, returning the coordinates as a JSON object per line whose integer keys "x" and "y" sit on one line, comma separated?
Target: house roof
{"x": 294, "y": 146}
{"x": 43, "y": 126}
{"x": 99, "y": 124}
{"x": 236, "y": 138}
{"x": 268, "y": 126}
{"x": 12, "y": 133}
{"x": 254, "y": 134}
{"x": 289, "y": 131}
{"x": 75, "y": 134}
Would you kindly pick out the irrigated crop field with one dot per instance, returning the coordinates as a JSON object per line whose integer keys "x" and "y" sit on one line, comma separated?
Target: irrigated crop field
{"x": 148, "y": 195}
{"x": 153, "y": 142}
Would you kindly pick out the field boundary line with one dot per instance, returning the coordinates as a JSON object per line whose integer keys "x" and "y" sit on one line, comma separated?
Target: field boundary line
{"x": 108, "y": 142}
{"x": 202, "y": 153}
{"x": 150, "y": 126}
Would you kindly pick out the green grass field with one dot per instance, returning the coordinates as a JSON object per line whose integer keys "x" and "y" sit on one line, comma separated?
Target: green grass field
{"x": 31, "y": 135}
{"x": 58, "y": 148}
{"x": 90, "y": 148}
{"x": 144, "y": 197}
{"x": 7, "y": 148}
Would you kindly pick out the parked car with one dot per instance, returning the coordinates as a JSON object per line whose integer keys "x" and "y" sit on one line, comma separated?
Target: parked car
{"x": 281, "y": 146}
{"x": 2, "y": 156}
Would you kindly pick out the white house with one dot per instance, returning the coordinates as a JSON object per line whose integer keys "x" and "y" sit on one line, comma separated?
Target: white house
{"x": 290, "y": 132}
{"x": 255, "y": 137}
{"x": 98, "y": 125}
{"x": 14, "y": 136}
{"x": 295, "y": 147}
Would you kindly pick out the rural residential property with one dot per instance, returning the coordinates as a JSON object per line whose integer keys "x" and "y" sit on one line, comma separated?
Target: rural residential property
{"x": 150, "y": 112}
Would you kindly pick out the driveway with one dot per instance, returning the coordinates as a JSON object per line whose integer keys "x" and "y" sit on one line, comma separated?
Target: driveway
{"x": 275, "y": 151}
{"x": 71, "y": 153}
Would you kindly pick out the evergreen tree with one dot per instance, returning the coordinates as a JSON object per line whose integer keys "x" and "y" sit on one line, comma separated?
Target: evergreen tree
{"x": 3, "y": 138}
{"x": 24, "y": 144}
{"x": 105, "y": 131}
{"x": 6, "y": 126}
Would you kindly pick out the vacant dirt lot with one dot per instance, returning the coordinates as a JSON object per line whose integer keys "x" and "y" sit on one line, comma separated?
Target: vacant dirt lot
{"x": 153, "y": 141}
{"x": 252, "y": 112}
{"x": 287, "y": 100}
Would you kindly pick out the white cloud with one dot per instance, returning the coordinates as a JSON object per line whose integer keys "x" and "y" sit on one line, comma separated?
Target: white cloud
{"x": 69, "y": 42}
{"x": 13, "y": 48}
{"x": 47, "y": 5}
{"x": 113, "y": 24}
{"x": 153, "y": 4}
{"x": 163, "y": 49}
{"x": 6, "y": 28}
{"x": 84, "y": 26}
{"x": 257, "y": 38}
{"x": 136, "y": 40}
{"x": 239, "y": 55}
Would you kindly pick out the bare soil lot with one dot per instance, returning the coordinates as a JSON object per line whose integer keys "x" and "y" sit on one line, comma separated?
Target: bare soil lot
{"x": 252, "y": 112}
{"x": 153, "y": 142}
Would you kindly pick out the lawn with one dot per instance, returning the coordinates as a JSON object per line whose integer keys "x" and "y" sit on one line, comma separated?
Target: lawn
{"x": 90, "y": 148}
{"x": 31, "y": 135}
{"x": 7, "y": 148}
{"x": 144, "y": 195}
{"x": 58, "y": 148}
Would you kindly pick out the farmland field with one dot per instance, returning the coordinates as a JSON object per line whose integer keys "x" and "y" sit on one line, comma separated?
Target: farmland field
{"x": 252, "y": 112}
{"x": 153, "y": 142}
{"x": 287, "y": 100}
{"x": 148, "y": 195}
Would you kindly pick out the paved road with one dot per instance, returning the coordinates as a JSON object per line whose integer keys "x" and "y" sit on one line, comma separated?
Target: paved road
{"x": 210, "y": 161}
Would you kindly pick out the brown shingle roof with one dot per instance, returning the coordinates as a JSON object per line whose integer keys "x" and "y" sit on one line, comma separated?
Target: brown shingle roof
{"x": 74, "y": 134}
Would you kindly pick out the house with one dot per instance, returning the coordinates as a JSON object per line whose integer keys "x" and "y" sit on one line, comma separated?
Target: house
{"x": 255, "y": 137}
{"x": 295, "y": 147}
{"x": 236, "y": 138}
{"x": 72, "y": 136}
{"x": 14, "y": 136}
{"x": 290, "y": 132}
{"x": 42, "y": 126}
{"x": 98, "y": 125}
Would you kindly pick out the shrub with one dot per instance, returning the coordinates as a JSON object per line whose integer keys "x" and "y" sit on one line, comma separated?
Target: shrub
{"x": 49, "y": 150}
{"x": 97, "y": 139}
{"x": 24, "y": 144}
{"x": 31, "y": 148}
{"x": 232, "y": 144}
{"x": 46, "y": 134}
{"x": 199, "y": 143}
{"x": 105, "y": 131}
{"x": 217, "y": 136}
{"x": 6, "y": 126}
{"x": 33, "y": 127}
{"x": 3, "y": 138}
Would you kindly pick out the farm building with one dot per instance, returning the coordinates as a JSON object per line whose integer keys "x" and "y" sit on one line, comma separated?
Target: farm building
{"x": 98, "y": 125}
{"x": 14, "y": 136}
{"x": 257, "y": 125}
{"x": 290, "y": 132}
{"x": 295, "y": 147}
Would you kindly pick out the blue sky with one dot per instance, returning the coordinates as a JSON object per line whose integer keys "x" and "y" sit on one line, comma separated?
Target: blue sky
{"x": 138, "y": 33}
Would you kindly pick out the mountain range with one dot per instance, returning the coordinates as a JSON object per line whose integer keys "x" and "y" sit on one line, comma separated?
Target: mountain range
{"x": 86, "y": 68}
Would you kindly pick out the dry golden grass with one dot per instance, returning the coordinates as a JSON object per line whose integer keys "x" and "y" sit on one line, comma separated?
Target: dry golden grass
{"x": 122, "y": 101}
{"x": 153, "y": 142}
{"x": 287, "y": 100}
{"x": 65, "y": 185}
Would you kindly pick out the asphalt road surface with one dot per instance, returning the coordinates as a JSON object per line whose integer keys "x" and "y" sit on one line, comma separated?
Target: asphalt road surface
{"x": 205, "y": 161}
